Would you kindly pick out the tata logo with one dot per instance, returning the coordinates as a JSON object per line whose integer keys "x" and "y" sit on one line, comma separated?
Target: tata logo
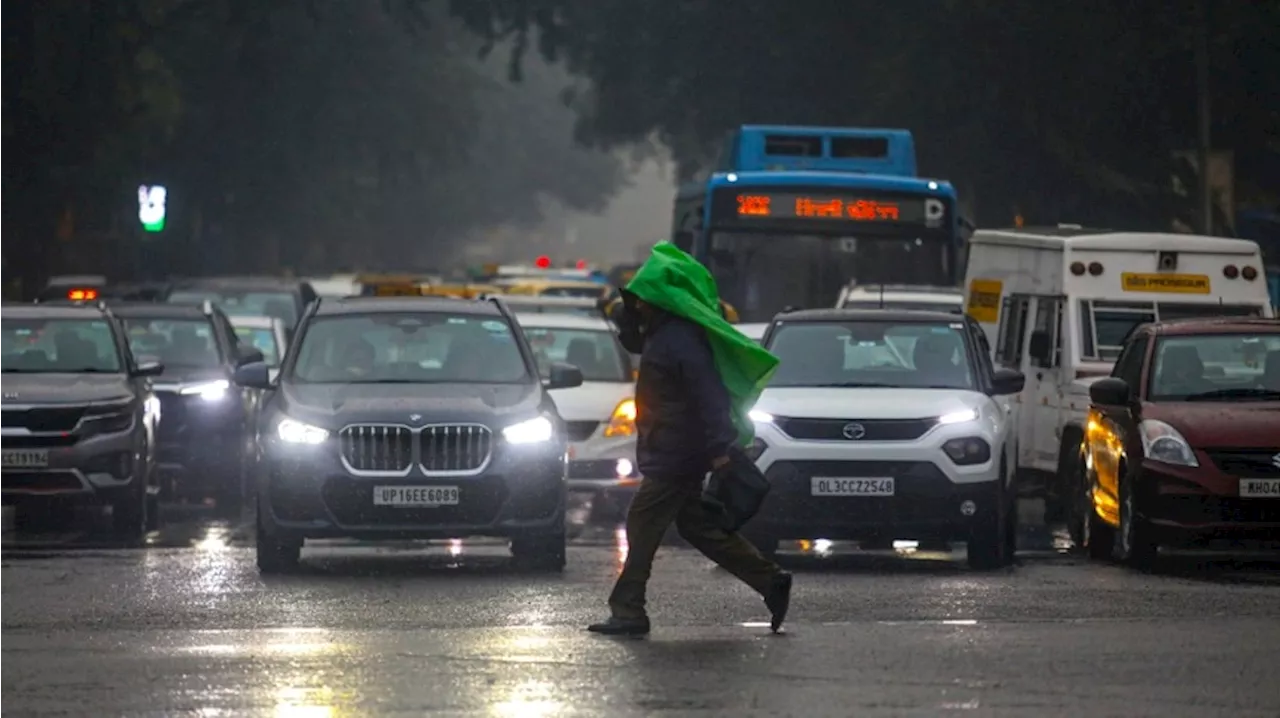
{"x": 1275, "y": 461}
{"x": 415, "y": 418}
{"x": 854, "y": 431}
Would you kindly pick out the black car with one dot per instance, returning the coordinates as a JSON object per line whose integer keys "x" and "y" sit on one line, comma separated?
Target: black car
{"x": 410, "y": 418}
{"x": 78, "y": 416}
{"x": 204, "y": 438}
{"x": 284, "y": 299}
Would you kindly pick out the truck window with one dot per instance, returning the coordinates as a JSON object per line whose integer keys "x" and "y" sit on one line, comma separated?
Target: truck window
{"x": 1013, "y": 330}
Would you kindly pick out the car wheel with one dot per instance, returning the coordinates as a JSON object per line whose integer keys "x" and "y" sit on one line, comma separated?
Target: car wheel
{"x": 547, "y": 552}
{"x": 988, "y": 538}
{"x": 275, "y": 553}
{"x": 129, "y": 520}
{"x": 1136, "y": 546}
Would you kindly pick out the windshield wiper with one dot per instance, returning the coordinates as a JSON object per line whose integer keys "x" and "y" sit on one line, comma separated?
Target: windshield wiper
{"x": 1236, "y": 393}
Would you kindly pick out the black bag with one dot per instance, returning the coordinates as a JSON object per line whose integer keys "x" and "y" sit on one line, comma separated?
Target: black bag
{"x": 735, "y": 492}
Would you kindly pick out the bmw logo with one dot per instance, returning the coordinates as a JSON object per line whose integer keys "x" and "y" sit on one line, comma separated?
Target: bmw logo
{"x": 854, "y": 431}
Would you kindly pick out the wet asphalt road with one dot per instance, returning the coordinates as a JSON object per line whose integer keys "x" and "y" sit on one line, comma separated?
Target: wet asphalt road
{"x": 186, "y": 626}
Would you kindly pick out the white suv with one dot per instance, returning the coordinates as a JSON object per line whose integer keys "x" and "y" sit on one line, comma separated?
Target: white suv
{"x": 883, "y": 425}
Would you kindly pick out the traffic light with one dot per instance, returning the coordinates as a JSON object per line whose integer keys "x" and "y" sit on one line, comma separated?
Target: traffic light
{"x": 582, "y": 264}
{"x": 543, "y": 262}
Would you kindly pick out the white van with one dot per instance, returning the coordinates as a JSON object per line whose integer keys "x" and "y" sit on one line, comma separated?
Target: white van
{"x": 901, "y": 296}
{"x": 1057, "y": 305}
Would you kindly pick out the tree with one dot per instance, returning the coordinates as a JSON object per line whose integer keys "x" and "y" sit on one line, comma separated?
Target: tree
{"x": 1068, "y": 109}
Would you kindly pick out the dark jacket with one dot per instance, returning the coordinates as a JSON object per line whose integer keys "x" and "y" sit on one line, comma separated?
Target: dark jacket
{"x": 682, "y": 407}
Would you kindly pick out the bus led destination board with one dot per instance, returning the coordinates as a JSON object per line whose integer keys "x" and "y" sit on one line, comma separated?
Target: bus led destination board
{"x": 746, "y": 207}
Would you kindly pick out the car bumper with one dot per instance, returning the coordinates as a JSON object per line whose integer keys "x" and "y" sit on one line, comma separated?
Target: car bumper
{"x": 933, "y": 497}
{"x": 308, "y": 493}
{"x": 101, "y": 464}
{"x": 1195, "y": 504}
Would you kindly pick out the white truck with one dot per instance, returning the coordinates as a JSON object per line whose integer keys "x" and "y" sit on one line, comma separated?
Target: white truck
{"x": 1058, "y": 304}
{"x": 901, "y": 296}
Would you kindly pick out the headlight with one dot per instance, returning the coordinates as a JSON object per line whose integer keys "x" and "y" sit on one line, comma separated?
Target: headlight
{"x": 1161, "y": 442}
{"x": 623, "y": 420}
{"x": 209, "y": 391}
{"x": 958, "y": 417}
{"x": 292, "y": 431}
{"x": 762, "y": 417}
{"x": 968, "y": 451}
{"x": 532, "y": 431}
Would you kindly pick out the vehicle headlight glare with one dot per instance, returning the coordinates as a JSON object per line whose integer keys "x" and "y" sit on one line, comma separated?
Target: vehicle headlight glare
{"x": 958, "y": 417}
{"x": 1161, "y": 442}
{"x": 209, "y": 391}
{"x": 533, "y": 431}
{"x": 762, "y": 417}
{"x": 292, "y": 431}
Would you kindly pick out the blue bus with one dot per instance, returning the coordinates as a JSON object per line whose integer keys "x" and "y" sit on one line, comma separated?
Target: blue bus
{"x": 791, "y": 215}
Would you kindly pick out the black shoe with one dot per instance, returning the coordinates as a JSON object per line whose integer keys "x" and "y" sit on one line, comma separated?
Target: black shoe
{"x": 778, "y": 600}
{"x": 621, "y": 627}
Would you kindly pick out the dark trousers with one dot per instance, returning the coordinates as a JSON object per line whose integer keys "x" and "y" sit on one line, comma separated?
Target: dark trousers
{"x": 657, "y": 503}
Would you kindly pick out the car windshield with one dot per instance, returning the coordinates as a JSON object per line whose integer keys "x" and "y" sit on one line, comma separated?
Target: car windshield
{"x": 48, "y": 346}
{"x": 409, "y": 347}
{"x": 243, "y": 303}
{"x": 186, "y": 343}
{"x": 264, "y": 340}
{"x": 570, "y": 291}
{"x": 1106, "y": 325}
{"x": 595, "y": 352}
{"x": 1216, "y": 368}
{"x": 871, "y": 354}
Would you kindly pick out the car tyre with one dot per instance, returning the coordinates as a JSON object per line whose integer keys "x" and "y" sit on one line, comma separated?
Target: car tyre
{"x": 275, "y": 553}
{"x": 1135, "y": 545}
{"x": 988, "y": 538}
{"x": 545, "y": 552}
{"x": 129, "y": 520}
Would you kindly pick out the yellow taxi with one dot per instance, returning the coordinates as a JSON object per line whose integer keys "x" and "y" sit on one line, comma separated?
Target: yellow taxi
{"x": 582, "y": 289}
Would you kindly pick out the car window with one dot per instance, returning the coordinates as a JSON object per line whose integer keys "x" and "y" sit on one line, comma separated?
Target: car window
{"x": 409, "y": 347}
{"x": 1216, "y": 367}
{"x": 59, "y": 346}
{"x": 184, "y": 343}
{"x": 280, "y": 305}
{"x": 595, "y": 352}
{"x": 880, "y": 353}
{"x": 264, "y": 340}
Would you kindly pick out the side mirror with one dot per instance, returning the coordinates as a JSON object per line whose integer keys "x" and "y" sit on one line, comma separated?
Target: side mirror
{"x": 1005, "y": 382}
{"x": 1110, "y": 391}
{"x": 563, "y": 376}
{"x": 254, "y": 375}
{"x": 249, "y": 356}
{"x": 1040, "y": 348}
{"x": 148, "y": 366}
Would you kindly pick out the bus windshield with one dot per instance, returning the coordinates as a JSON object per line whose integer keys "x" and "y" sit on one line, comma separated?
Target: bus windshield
{"x": 762, "y": 273}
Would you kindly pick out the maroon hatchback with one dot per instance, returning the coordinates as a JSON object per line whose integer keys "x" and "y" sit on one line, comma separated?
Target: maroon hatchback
{"x": 1182, "y": 444}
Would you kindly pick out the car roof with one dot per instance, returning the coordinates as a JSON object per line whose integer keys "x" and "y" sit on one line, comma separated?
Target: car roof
{"x": 1215, "y": 325}
{"x": 866, "y": 315}
{"x": 248, "y": 283}
{"x": 388, "y": 305}
{"x": 561, "y": 321}
{"x": 156, "y": 310}
{"x": 52, "y": 311}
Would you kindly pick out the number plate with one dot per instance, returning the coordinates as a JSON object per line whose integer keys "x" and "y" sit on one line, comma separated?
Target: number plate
{"x": 829, "y": 486}
{"x": 1260, "y": 488}
{"x": 24, "y": 459}
{"x": 415, "y": 496}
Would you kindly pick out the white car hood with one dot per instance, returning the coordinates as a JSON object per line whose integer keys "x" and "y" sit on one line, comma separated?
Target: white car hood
{"x": 593, "y": 401}
{"x": 867, "y": 403}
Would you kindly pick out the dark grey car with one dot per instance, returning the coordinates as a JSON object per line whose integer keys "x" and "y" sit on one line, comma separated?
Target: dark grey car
{"x": 409, "y": 418}
{"x": 79, "y": 415}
